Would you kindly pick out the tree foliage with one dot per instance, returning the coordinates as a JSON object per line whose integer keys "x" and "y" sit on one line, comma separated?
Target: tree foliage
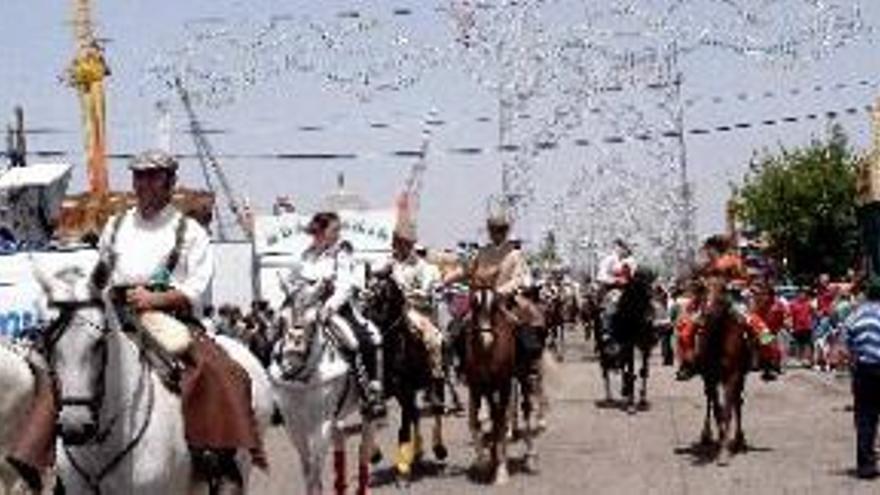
{"x": 804, "y": 202}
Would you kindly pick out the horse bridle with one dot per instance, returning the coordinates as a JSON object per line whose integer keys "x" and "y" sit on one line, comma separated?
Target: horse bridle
{"x": 51, "y": 336}
{"x": 54, "y": 332}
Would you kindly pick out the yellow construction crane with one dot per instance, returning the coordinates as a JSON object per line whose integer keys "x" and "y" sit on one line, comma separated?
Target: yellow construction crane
{"x": 86, "y": 74}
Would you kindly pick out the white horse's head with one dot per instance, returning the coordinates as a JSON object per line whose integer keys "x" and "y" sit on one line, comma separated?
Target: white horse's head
{"x": 76, "y": 347}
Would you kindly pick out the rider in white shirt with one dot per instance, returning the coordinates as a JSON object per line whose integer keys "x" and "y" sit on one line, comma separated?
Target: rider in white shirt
{"x": 418, "y": 279}
{"x": 327, "y": 262}
{"x": 616, "y": 269}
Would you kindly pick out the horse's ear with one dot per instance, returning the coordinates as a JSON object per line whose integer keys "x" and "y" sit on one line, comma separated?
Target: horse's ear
{"x": 43, "y": 279}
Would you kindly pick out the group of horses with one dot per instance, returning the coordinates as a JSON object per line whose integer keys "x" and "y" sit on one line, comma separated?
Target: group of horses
{"x": 623, "y": 323}
{"x": 121, "y": 429}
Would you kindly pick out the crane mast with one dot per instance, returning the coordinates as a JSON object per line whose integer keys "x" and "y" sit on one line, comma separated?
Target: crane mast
{"x": 209, "y": 163}
{"x": 409, "y": 203}
{"x": 86, "y": 74}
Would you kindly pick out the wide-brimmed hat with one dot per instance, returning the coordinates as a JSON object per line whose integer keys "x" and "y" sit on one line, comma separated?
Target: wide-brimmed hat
{"x": 153, "y": 160}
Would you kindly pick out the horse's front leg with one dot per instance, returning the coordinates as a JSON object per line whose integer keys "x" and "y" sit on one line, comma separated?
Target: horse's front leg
{"x": 643, "y": 375}
{"x": 365, "y": 453}
{"x": 476, "y": 430}
{"x": 513, "y": 428}
{"x": 529, "y": 398}
{"x": 540, "y": 394}
{"x": 606, "y": 378}
{"x": 339, "y": 461}
{"x": 499, "y": 434}
{"x": 438, "y": 444}
{"x": 406, "y": 449}
{"x": 738, "y": 444}
{"x": 711, "y": 397}
{"x": 629, "y": 378}
{"x": 723, "y": 414}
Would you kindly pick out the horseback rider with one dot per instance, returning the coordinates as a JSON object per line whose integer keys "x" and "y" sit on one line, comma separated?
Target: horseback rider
{"x": 326, "y": 260}
{"x": 724, "y": 265}
{"x": 617, "y": 268}
{"x": 154, "y": 271}
{"x": 417, "y": 279}
{"x": 505, "y": 257}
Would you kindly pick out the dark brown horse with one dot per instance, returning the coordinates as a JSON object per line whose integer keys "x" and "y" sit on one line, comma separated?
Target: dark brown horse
{"x": 406, "y": 372}
{"x": 562, "y": 312}
{"x": 724, "y": 363}
{"x": 489, "y": 364}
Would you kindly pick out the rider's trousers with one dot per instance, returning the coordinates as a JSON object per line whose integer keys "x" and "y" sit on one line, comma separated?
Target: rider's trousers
{"x": 425, "y": 329}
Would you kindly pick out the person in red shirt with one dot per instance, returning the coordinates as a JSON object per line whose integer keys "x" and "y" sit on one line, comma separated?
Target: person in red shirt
{"x": 722, "y": 261}
{"x": 803, "y": 318}
{"x": 766, "y": 318}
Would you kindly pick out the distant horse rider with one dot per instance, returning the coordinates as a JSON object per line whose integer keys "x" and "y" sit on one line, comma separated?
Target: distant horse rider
{"x": 328, "y": 261}
{"x": 725, "y": 266}
{"x": 505, "y": 258}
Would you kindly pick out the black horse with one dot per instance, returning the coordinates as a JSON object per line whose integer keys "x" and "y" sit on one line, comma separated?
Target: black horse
{"x": 628, "y": 327}
{"x": 406, "y": 371}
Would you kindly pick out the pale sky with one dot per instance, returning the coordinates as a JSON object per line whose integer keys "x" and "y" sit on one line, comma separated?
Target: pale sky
{"x": 36, "y": 43}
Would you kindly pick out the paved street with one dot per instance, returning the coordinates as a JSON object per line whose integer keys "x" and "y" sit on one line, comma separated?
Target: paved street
{"x": 799, "y": 431}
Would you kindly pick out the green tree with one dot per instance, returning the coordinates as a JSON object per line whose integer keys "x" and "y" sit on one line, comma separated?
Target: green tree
{"x": 547, "y": 255}
{"x": 804, "y": 201}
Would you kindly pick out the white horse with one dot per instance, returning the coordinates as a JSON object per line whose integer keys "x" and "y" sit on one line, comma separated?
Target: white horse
{"x": 18, "y": 384}
{"x": 122, "y": 429}
{"x": 315, "y": 391}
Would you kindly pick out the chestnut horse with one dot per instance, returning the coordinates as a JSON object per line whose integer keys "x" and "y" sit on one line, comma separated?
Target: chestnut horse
{"x": 724, "y": 364}
{"x": 489, "y": 364}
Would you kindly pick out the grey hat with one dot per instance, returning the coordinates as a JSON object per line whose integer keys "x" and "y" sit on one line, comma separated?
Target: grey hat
{"x": 153, "y": 160}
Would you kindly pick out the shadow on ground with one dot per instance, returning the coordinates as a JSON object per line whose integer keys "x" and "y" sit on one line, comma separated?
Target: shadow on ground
{"x": 703, "y": 453}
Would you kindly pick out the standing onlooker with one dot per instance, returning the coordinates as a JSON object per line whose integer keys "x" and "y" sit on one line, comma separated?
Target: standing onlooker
{"x": 863, "y": 340}
{"x": 843, "y": 306}
{"x": 662, "y": 307}
{"x": 824, "y": 325}
{"x": 802, "y": 321}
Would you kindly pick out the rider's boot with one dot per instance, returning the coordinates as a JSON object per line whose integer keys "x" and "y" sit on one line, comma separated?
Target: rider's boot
{"x": 366, "y": 373}
{"x": 769, "y": 370}
{"x": 686, "y": 371}
{"x": 218, "y": 468}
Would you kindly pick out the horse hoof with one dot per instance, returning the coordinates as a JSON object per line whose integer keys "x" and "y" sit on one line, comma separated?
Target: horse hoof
{"x": 403, "y": 470}
{"x": 723, "y": 458}
{"x": 631, "y": 408}
{"x": 541, "y": 427}
{"x": 440, "y": 452}
{"x": 738, "y": 445}
{"x": 706, "y": 439}
{"x": 531, "y": 463}
{"x": 643, "y": 405}
{"x": 405, "y": 458}
{"x": 502, "y": 477}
